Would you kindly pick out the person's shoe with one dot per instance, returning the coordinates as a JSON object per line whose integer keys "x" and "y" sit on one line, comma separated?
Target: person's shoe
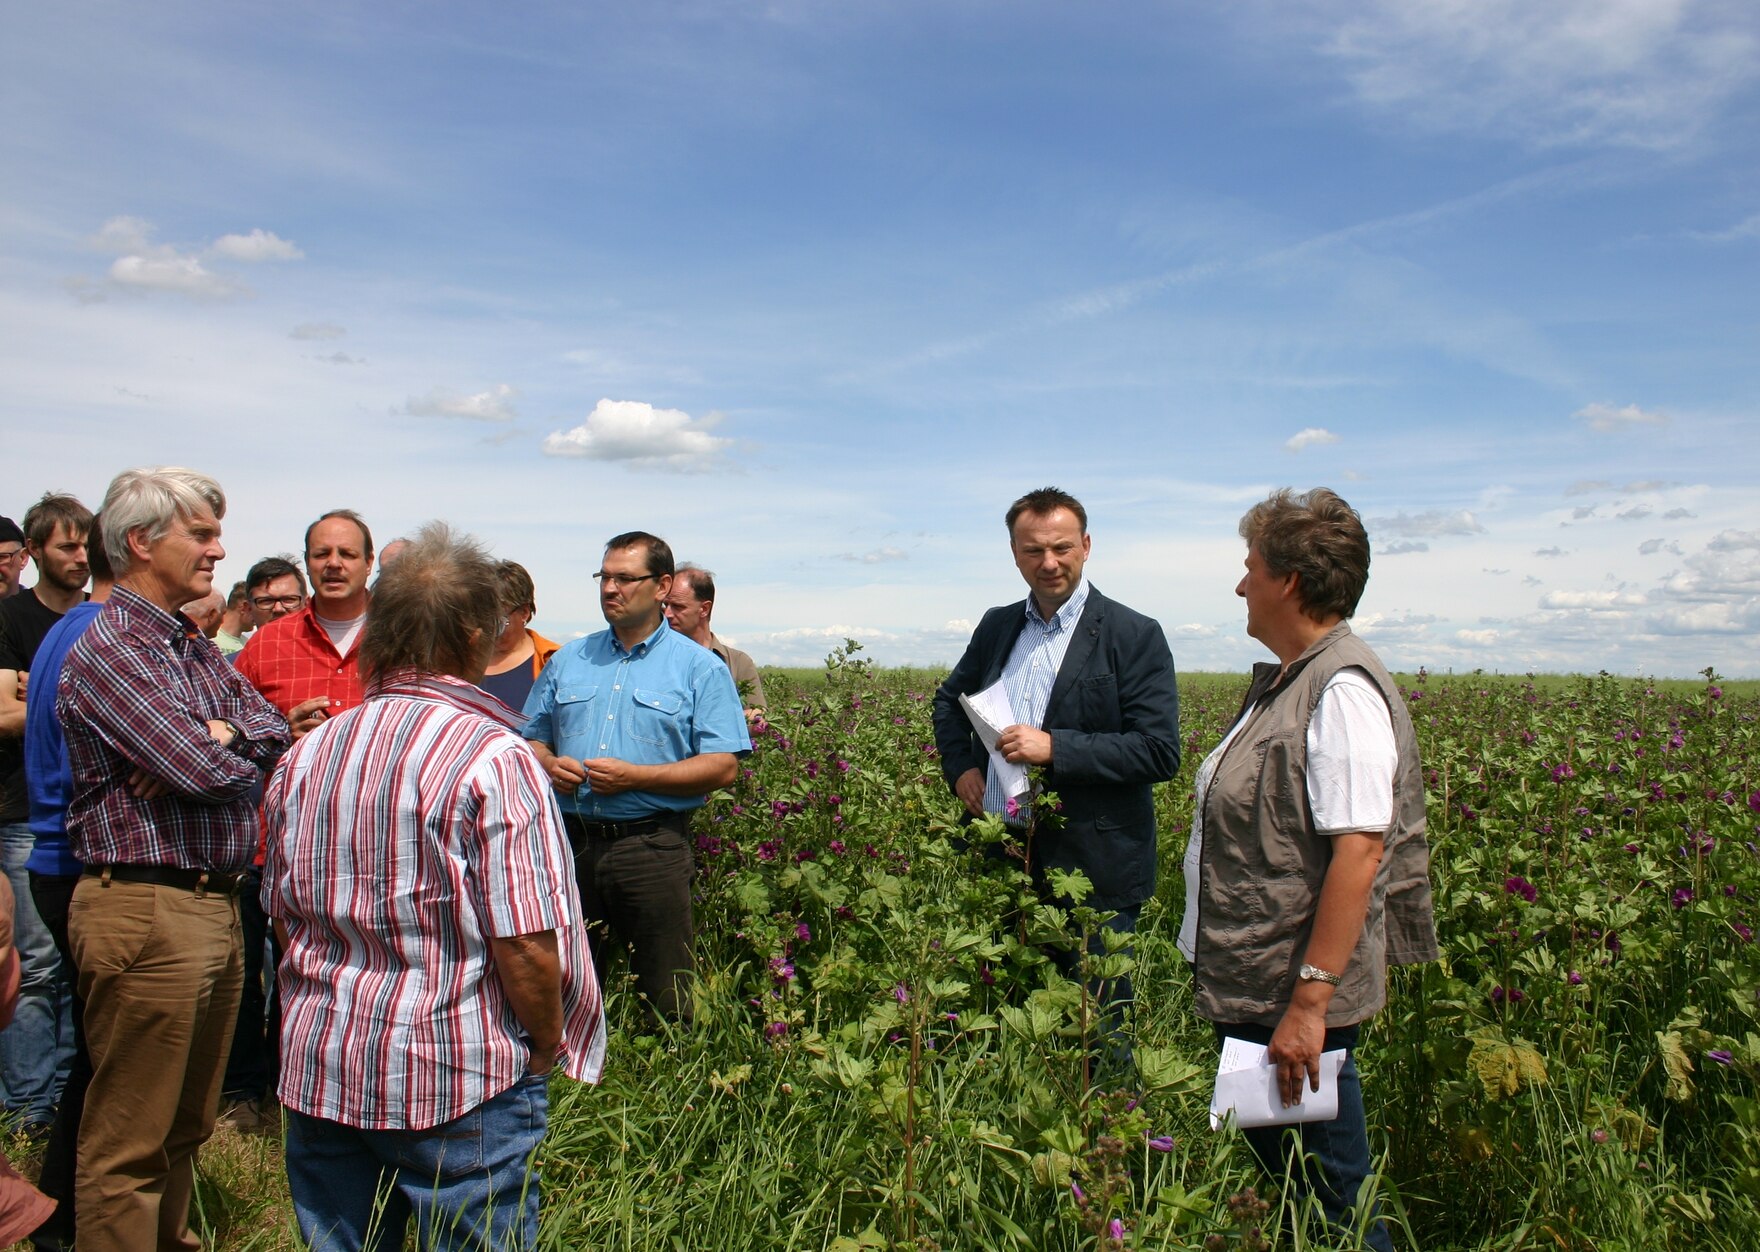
{"x": 245, "y": 1116}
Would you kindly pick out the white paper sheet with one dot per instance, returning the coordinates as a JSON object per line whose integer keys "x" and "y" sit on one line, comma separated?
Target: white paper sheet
{"x": 989, "y": 711}
{"x": 1246, "y": 1086}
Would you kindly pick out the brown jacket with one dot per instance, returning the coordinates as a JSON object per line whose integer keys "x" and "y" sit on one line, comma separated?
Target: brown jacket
{"x": 1263, "y": 863}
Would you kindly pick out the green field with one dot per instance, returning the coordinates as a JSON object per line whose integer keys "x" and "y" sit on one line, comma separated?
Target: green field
{"x": 882, "y": 1058}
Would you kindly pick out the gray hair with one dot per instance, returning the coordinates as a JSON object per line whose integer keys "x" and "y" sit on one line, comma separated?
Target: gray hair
{"x": 151, "y": 499}
{"x": 437, "y": 609}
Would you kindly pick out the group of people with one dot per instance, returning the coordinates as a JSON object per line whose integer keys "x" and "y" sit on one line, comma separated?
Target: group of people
{"x": 443, "y": 828}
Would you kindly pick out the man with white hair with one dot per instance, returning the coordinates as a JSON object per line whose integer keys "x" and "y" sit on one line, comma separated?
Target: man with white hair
{"x": 166, "y": 742}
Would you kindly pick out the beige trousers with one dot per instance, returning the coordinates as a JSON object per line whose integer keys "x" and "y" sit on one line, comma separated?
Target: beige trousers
{"x": 161, "y": 970}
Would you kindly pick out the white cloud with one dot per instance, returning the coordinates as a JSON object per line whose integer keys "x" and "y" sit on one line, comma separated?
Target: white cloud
{"x": 317, "y": 330}
{"x": 1431, "y": 524}
{"x": 1651, "y": 547}
{"x": 493, "y": 405}
{"x": 1678, "y": 514}
{"x": 1192, "y": 630}
{"x": 1606, "y": 418}
{"x": 1636, "y": 513}
{"x": 1747, "y": 228}
{"x": 1550, "y": 552}
{"x": 643, "y": 437}
{"x": 1478, "y": 638}
{"x": 1735, "y": 541}
{"x": 1596, "y": 601}
{"x": 185, "y": 274}
{"x": 340, "y": 358}
{"x": 259, "y": 245}
{"x": 1401, "y": 549}
{"x": 125, "y": 235}
{"x": 877, "y": 557}
{"x": 1583, "y": 486}
{"x": 1707, "y": 619}
{"x": 1629, "y": 73}
{"x": 1308, "y": 437}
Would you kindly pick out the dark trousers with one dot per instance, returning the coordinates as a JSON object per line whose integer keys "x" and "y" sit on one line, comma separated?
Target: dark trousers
{"x": 51, "y": 893}
{"x": 636, "y": 895}
{"x": 253, "y": 1067}
{"x": 1335, "y": 1154}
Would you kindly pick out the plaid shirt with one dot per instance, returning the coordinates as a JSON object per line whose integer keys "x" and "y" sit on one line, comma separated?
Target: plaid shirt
{"x": 402, "y": 837}
{"x": 292, "y": 659}
{"x": 137, "y": 692}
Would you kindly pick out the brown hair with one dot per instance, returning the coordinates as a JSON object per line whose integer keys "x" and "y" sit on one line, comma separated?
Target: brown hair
{"x": 437, "y": 610}
{"x": 658, "y": 553}
{"x": 517, "y": 591}
{"x": 1043, "y": 501}
{"x": 56, "y": 509}
{"x": 1320, "y": 539}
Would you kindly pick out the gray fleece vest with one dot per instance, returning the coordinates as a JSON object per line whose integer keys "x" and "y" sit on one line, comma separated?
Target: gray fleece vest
{"x": 1263, "y": 862}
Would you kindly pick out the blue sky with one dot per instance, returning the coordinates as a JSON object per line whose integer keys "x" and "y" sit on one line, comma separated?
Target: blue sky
{"x": 814, "y": 290}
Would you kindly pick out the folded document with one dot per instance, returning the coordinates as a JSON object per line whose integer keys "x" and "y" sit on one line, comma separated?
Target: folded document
{"x": 1246, "y": 1089}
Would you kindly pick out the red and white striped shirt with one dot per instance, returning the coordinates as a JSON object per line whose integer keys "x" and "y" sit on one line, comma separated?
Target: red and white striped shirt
{"x": 402, "y": 837}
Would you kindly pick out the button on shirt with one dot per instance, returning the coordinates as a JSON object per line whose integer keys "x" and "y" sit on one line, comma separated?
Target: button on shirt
{"x": 662, "y": 701}
{"x": 137, "y": 692}
{"x": 1031, "y": 670}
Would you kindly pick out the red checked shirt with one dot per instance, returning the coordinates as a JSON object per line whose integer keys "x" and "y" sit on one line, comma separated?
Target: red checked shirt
{"x": 137, "y": 692}
{"x": 402, "y": 837}
{"x": 292, "y": 659}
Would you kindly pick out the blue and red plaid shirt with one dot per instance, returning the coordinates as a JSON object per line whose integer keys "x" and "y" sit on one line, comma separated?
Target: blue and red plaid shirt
{"x": 137, "y": 692}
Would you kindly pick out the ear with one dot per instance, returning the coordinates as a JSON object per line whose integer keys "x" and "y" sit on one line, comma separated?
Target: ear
{"x": 138, "y": 546}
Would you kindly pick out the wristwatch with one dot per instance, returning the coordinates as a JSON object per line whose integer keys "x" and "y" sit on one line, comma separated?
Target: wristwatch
{"x": 1313, "y": 973}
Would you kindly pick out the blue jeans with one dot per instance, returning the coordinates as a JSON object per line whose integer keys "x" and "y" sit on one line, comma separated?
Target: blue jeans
{"x": 37, "y": 1049}
{"x": 1334, "y": 1155}
{"x": 469, "y": 1183}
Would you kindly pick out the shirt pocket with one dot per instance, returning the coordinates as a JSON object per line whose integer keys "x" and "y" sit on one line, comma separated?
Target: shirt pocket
{"x": 578, "y": 713}
{"x": 656, "y": 717}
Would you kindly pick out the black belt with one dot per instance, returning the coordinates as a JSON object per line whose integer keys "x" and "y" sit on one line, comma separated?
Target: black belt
{"x": 621, "y": 830}
{"x": 200, "y": 881}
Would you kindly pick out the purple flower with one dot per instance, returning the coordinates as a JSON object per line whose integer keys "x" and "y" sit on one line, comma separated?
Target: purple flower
{"x": 1075, "y": 1189}
{"x": 1162, "y": 1143}
{"x": 843, "y": 767}
{"x": 1519, "y": 886}
{"x": 1754, "y": 801}
{"x": 1562, "y": 771}
{"x": 1012, "y": 807}
{"x": 1115, "y": 1231}
{"x": 1511, "y": 994}
{"x": 781, "y": 968}
{"x": 837, "y": 847}
{"x": 775, "y": 1030}
{"x": 1683, "y": 896}
{"x": 1720, "y": 1055}
{"x": 1714, "y": 693}
{"x": 985, "y": 976}
{"x": 803, "y": 933}
{"x": 812, "y": 769}
{"x": 768, "y": 849}
{"x": 834, "y": 799}
{"x": 1576, "y": 979}
{"x": 901, "y": 993}
{"x": 1598, "y": 1135}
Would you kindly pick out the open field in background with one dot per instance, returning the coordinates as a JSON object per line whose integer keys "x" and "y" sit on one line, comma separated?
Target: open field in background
{"x": 882, "y": 1058}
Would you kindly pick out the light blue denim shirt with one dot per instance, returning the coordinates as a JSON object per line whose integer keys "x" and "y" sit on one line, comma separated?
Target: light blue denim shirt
{"x": 664, "y": 700}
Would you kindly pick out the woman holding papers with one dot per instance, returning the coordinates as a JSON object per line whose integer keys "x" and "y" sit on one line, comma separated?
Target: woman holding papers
{"x": 1307, "y": 873}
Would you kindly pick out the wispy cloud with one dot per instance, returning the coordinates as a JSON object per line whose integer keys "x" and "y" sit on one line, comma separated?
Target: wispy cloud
{"x": 1402, "y": 548}
{"x": 1606, "y": 418}
{"x": 493, "y": 405}
{"x": 1747, "y": 228}
{"x": 141, "y": 265}
{"x": 259, "y": 245}
{"x": 1430, "y": 524}
{"x": 1309, "y": 437}
{"x": 1550, "y": 552}
{"x": 317, "y": 330}
{"x": 641, "y": 436}
{"x": 1623, "y": 73}
{"x": 878, "y": 556}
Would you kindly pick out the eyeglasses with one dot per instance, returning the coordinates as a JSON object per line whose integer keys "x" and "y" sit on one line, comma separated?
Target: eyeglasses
{"x": 268, "y": 603}
{"x": 14, "y": 554}
{"x": 622, "y": 580}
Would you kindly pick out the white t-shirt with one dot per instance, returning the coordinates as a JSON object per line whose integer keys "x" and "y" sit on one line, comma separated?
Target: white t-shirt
{"x": 342, "y": 634}
{"x": 1351, "y": 762}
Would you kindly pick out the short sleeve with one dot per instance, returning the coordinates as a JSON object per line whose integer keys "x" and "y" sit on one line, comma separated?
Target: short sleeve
{"x": 1352, "y": 757}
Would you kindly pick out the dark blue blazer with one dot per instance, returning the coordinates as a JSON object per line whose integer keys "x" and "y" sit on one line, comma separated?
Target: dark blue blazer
{"x": 1113, "y": 717}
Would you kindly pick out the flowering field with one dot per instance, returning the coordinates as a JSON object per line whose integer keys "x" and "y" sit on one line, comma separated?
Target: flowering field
{"x": 882, "y": 1057}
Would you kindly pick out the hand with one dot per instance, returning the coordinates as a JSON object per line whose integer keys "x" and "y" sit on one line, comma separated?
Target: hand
{"x": 308, "y": 715}
{"x": 540, "y": 1061}
{"x": 607, "y": 776}
{"x": 566, "y": 772}
{"x": 1295, "y": 1050}
{"x": 1024, "y": 745}
{"x": 223, "y": 732}
{"x": 145, "y": 786}
{"x": 24, "y": 680}
{"x": 969, "y": 787}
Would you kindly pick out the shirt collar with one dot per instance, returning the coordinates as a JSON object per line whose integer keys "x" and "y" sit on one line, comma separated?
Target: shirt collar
{"x": 644, "y": 647}
{"x": 467, "y": 697}
{"x": 1066, "y": 615}
{"x": 174, "y": 626}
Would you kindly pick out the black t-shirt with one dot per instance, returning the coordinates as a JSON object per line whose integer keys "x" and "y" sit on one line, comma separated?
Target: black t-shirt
{"x": 24, "y": 620}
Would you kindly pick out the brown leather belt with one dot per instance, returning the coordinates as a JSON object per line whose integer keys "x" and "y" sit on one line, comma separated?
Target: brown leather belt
{"x": 200, "y": 881}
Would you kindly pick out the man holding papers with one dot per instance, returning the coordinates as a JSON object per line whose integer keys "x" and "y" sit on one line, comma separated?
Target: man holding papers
{"x": 1081, "y": 686}
{"x": 1307, "y": 873}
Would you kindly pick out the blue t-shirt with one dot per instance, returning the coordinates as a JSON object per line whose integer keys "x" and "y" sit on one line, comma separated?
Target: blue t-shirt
{"x": 664, "y": 700}
{"x": 46, "y": 767}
